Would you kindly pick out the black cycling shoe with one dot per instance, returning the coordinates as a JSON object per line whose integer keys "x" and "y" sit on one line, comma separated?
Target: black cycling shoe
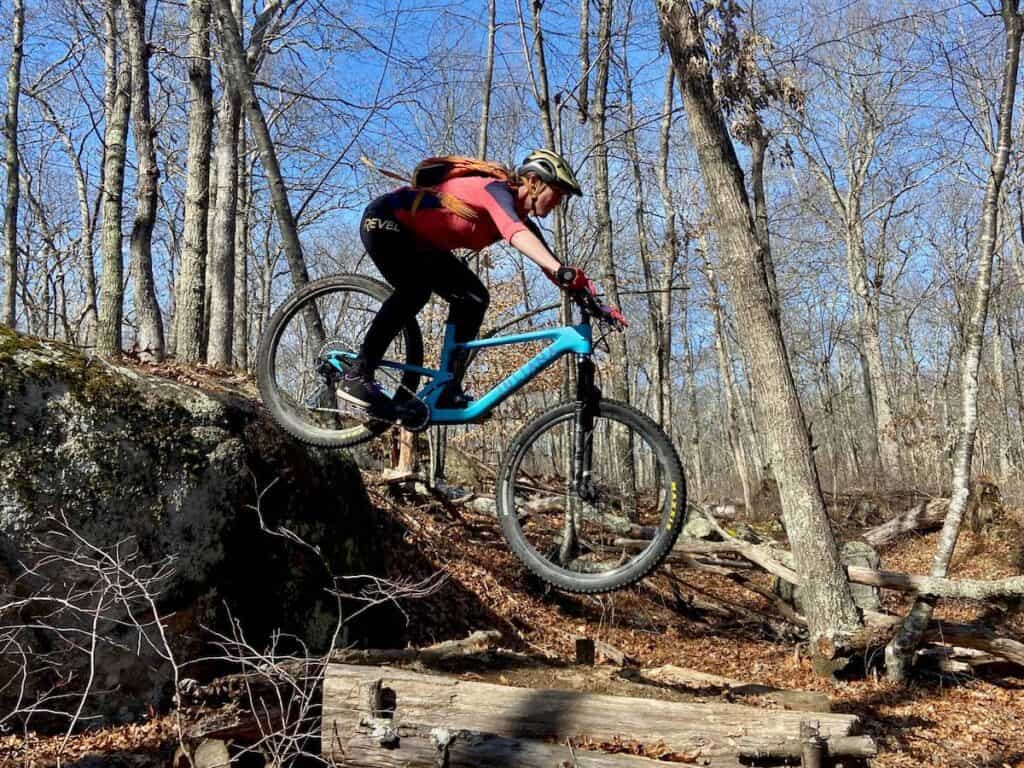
{"x": 361, "y": 390}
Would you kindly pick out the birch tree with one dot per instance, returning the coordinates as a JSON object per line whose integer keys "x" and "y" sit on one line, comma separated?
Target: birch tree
{"x": 899, "y": 652}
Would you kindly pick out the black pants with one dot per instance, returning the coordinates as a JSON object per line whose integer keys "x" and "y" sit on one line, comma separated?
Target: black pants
{"x": 415, "y": 270}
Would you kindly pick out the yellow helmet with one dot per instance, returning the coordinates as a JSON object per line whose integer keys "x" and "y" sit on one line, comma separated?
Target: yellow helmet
{"x": 551, "y": 168}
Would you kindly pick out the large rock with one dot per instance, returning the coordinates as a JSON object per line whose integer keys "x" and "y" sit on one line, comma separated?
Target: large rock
{"x": 140, "y": 479}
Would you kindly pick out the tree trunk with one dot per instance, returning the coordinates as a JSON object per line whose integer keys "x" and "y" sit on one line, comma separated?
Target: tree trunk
{"x": 654, "y": 280}
{"x": 729, "y": 387}
{"x": 670, "y": 256}
{"x": 618, "y": 381}
{"x": 13, "y": 174}
{"x": 191, "y": 291}
{"x": 1001, "y": 424}
{"x": 584, "y": 87}
{"x": 237, "y": 71}
{"x": 485, "y": 95}
{"x": 240, "y": 344}
{"x": 147, "y": 309}
{"x": 899, "y": 652}
{"x": 871, "y": 348}
{"x": 830, "y": 608}
{"x": 116, "y": 109}
{"x": 221, "y": 268}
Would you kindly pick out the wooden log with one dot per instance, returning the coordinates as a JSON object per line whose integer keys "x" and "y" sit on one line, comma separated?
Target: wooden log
{"x": 861, "y": 747}
{"x": 420, "y": 746}
{"x": 925, "y": 516}
{"x": 710, "y": 729}
{"x": 475, "y": 643}
{"x": 879, "y": 628}
{"x": 224, "y": 709}
{"x": 670, "y": 674}
{"x": 967, "y": 589}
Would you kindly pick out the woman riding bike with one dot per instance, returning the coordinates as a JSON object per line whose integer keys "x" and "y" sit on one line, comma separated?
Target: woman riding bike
{"x": 410, "y": 234}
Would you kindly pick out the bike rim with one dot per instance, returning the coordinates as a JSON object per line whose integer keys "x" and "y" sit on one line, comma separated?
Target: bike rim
{"x": 611, "y": 536}
{"x": 331, "y": 322}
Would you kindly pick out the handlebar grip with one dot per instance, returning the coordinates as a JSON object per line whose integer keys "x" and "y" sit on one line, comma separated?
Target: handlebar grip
{"x": 565, "y": 275}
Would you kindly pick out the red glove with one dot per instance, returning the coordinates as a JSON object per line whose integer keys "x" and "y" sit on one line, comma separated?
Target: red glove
{"x": 615, "y": 316}
{"x": 573, "y": 279}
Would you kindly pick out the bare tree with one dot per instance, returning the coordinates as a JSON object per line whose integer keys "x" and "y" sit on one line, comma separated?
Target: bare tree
{"x": 485, "y": 97}
{"x": 147, "y": 308}
{"x": 221, "y": 266}
{"x": 724, "y": 353}
{"x": 240, "y": 345}
{"x": 11, "y": 143}
{"x": 899, "y": 652}
{"x": 829, "y": 604}
{"x": 191, "y": 290}
{"x": 237, "y": 70}
{"x": 116, "y": 107}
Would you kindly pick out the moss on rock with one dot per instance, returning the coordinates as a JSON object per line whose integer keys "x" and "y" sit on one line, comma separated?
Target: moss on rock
{"x": 175, "y": 475}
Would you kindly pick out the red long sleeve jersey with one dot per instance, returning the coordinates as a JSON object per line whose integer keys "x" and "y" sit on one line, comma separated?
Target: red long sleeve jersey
{"x": 492, "y": 200}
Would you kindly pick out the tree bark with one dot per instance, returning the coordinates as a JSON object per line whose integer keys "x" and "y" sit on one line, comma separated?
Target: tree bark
{"x": 116, "y": 108}
{"x": 831, "y": 611}
{"x": 584, "y": 87}
{"x": 899, "y": 652}
{"x": 147, "y": 309}
{"x": 191, "y": 292}
{"x": 485, "y": 95}
{"x": 237, "y": 70}
{"x": 12, "y": 166}
{"x": 729, "y": 387}
{"x": 670, "y": 253}
{"x": 240, "y": 345}
{"x": 221, "y": 267}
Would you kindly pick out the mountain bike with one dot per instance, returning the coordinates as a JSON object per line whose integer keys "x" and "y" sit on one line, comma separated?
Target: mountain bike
{"x": 590, "y": 494}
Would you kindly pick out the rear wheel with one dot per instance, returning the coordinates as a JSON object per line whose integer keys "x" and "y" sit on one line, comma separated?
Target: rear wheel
{"x": 317, "y": 328}
{"x": 621, "y": 520}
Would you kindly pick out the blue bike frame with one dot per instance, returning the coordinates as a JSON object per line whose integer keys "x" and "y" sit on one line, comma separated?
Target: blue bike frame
{"x": 567, "y": 340}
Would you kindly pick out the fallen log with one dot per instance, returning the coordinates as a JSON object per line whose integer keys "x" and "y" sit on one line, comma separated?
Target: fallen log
{"x": 792, "y": 749}
{"x": 382, "y": 745}
{"x": 926, "y": 516}
{"x": 247, "y": 706}
{"x": 670, "y": 674}
{"x": 710, "y": 730}
{"x": 967, "y": 589}
{"x": 880, "y": 627}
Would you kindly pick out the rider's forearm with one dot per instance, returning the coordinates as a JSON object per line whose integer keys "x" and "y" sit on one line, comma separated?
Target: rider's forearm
{"x": 532, "y": 248}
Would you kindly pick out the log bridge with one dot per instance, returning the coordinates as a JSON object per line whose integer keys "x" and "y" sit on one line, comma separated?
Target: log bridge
{"x": 381, "y": 717}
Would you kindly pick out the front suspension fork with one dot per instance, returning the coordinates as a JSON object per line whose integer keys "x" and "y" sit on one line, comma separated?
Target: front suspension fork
{"x": 587, "y": 398}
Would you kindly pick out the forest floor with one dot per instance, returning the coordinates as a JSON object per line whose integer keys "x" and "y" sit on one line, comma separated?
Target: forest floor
{"x": 938, "y": 720}
{"x": 944, "y": 720}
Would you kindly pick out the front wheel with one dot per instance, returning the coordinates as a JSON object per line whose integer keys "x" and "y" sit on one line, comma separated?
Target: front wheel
{"x": 599, "y": 521}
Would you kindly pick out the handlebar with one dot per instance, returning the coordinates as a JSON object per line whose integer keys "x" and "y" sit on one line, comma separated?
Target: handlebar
{"x": 591, "y": 307}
